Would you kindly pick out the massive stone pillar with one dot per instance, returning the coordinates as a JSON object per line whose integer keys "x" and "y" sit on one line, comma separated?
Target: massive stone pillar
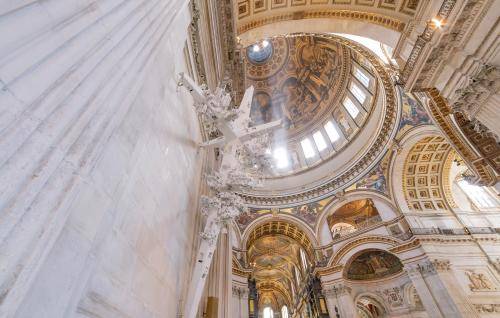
{"x": 239, "y": 306}
{"x": 98, "y": 164}
{"x": 444, "y": 271}
{"x": 339, "y": 301}
{"x": 431, "y": 290}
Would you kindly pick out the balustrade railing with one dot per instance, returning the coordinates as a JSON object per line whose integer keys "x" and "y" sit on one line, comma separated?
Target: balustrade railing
{"x": 455, "y": 231}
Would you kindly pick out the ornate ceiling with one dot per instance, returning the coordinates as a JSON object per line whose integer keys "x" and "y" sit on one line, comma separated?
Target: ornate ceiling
{"x": 390, "y": 13}
{"x": 308, "y": 80}
{"x": 274, "y": 254}
{"x": 297, "y": 79}
{"x": 423, "y": 171}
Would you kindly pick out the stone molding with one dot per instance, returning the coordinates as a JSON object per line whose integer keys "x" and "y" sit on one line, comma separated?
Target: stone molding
{"x": 383, "y": 20}
{"x": 472, "y": 152}
{"x": 337, "y": 290}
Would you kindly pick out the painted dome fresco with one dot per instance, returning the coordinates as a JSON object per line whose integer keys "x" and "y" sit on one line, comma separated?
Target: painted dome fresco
{"x": 297, "y": 79}
{"x": 327, "y": 92}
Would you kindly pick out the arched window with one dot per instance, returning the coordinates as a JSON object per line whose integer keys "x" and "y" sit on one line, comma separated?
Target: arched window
{"x": 303, "y": 259}
{"x": 268, "y": 312}
{"x": 284, "y": 312}
{"x": 480, "y": 196}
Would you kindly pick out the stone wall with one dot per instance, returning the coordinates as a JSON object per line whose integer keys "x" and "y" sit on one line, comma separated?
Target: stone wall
{"x": 98, "y": 165}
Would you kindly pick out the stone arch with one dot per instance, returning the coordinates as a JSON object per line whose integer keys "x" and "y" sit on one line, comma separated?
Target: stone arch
{"x": 387, "y": 33}
{"x": 344, "y": 254}
{"x": 386, "y": 209}
{"x": 281, "y": 224}
{"x": 407, "y": 144}
{"x": 422, "y": 174}
{"x": 375, "y": 299}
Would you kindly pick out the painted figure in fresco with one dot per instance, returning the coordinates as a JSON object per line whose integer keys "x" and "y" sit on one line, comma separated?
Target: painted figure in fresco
{"x": 378, "y": 263}
{"x": 340, "y": 118}
{"x": 376, "y": 181}
{"x": 413, "y": 114}
{"x": 308, "y": 212}
{"x": 262, "y": 110}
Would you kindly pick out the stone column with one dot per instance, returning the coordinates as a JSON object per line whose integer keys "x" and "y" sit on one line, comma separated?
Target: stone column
{"x": 443, "y": 269}
{"x": 339, "y": 301}
{"x": 445, "y": 302}
{"x": 224, "y": 269}
{"x": 239, "y": 307}
{"x": 425, "y": 295}
{"x": 433, "y": 293}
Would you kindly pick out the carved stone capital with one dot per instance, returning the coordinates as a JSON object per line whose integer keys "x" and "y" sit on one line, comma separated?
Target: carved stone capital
{"x": 240, "y": 291}
{"x": 441, "y": 265}
{"x": 424, "y": 268}
{"x": 337, "y": 290}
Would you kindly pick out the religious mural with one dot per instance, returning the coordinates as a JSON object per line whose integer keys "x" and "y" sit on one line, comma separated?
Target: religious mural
{"x": 377, "y": 178}
{"x": 413, "y": 114}
{"x": 298, "y": 82}
{"x": 373, "y": 264}
{"x": 307, "y": 213}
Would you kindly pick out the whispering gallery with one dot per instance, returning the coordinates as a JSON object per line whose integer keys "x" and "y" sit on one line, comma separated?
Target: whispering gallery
{"x": 249, "y": 158}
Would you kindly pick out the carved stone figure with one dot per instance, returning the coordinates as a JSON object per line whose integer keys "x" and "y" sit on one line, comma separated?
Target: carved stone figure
{"x": 478, "y": 281}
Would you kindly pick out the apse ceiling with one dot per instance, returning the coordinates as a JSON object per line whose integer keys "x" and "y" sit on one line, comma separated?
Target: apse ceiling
{"x": 336, "y": 105}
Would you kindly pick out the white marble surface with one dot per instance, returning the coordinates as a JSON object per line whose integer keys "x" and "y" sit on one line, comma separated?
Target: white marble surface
{"x": 97, "y": 159}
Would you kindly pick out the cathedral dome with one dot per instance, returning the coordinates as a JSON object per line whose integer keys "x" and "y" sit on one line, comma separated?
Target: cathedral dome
{"x": 329, "y": 94}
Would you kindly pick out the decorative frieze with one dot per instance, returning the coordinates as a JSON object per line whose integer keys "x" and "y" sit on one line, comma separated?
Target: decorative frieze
{"x": 487, "y": 308}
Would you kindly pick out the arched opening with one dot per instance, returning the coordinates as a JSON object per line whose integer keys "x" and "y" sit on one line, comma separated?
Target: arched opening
{"x": 352, "y": 217}
{"x": 284, "y": 312}
{"x": 268, "y": 312}
{"x": 368, "y": 307}
{"x": 280, "y": 256}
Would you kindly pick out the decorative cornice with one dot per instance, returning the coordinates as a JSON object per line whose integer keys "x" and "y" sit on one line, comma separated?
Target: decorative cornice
{"x": 442, "y": 114}
{"x": 423, "y": 39}
{"x": 330, "y": 270}
{"x": 374, "y": 18}
{"x": 451, "y": 40}
{"x": 337, "y": 290}
{"x": 405, "y": 247}
{"x": 376, "y": 150}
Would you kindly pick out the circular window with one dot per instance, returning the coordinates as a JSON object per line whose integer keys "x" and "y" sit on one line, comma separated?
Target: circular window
{"x": 260, "y": 52}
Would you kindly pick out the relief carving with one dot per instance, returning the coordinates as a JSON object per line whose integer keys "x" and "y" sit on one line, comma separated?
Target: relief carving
{"x": 487, "y": 308}
{"x": 478, "y": 281}
{"x": 441, "y": 265}
{"x": 393, "y": 296}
